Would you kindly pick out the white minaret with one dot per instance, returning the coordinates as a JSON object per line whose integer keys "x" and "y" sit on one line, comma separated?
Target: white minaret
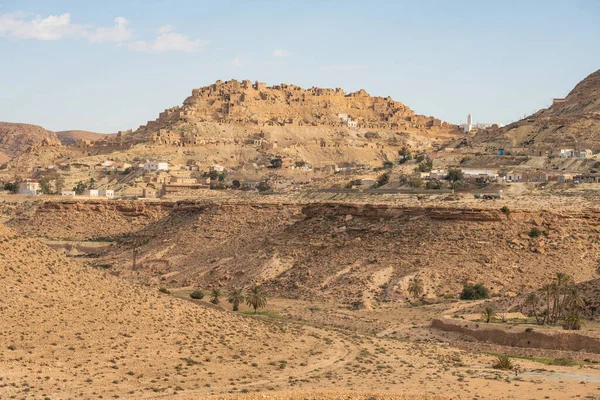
{"x": 469, "y": 124}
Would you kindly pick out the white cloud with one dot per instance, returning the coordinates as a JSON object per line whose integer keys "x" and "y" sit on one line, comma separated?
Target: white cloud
{"x": 19, "y": 25}
{"x": 166, "y": 29}
{"x": 343, "y": 67}
{"x": 236, "y": 62}
{"x": 281, "y": 53}
{"x": 118, "y": 33}
{"x": 167, "y": 40}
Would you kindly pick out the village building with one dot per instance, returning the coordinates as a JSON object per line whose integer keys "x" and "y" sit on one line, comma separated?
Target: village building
{"x": 156, "y": 166}
{"x": 106, "y": 193}
{"x": 68, "y": 193}
{"x": 91, "y": 193}
{"x": 29, "y": 187}
{"x": 513, "y": 176}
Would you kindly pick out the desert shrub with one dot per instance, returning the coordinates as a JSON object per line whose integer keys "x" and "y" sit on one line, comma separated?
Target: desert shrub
{"x": 276, "y": 163}
{"x": 415, "y": 182}
{"x": 530, "y": 329}
{"x": 505, "y": 210}
{"x": 388, "y": 165}
{"x": 263, "y": 186}
{"x": 164, "y": 290}
{"x": 382, "y": 180}
{"x": 197, "y": 295}
{"x": 564, "y": 361}
{"x": 434, "y": 185}
{"x": 474, "y": 292}
{"x": 420, "y": 158}
{"x": 535, "y": 232}
{"x": 504, "y": 362}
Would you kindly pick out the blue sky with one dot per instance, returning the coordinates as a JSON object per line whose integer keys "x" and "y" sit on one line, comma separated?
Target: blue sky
{"x": 111, "y": 65}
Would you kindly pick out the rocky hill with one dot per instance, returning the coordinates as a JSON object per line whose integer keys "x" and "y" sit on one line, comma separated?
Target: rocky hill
{"x": 15, "y": 138}
{"x": 257, "y": 110}
{"x": 573, "y": 121}
{"x": 353, "y": 253}
{"x": 69, "y": 331}
{"x": 71, "y": 137}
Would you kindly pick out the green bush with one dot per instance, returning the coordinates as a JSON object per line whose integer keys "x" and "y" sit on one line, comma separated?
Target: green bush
{"x": 535, "y": 232}
{"x": 505, "y": 210}
{"x": 164, "y": 290}
{"x": 474, "y": 292}
{"x": 433, "y": 185}
{"x": 197, "y": 295}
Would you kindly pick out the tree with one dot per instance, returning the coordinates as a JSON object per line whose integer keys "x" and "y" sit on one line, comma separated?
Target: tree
{"x": 573, "y": 320}
{"x": 236, "y": 184}
{"x": 80, "y": 187}
{"x": 425, "y": 165}
{"x": 415, "y": 287}
{"x": 474, "y": 292}
{"x": 235, "y": 297}
{"x": 276, "y": 162}
{"x": 415, "y": 181}
{"x": 256, "y": 298}
{"x": 547, "y": 290}
{"x": 405, "y": 155}
{"x": 489, "y": 314}
{"x": 532, "y": 301}
{"x": 455, "y": 175}
{"x": 215, "y": 295}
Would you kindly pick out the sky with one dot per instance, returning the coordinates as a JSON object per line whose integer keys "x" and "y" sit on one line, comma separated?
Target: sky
{"x": 113, "y": 65}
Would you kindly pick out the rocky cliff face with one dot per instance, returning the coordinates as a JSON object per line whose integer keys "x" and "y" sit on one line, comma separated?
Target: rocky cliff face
{"x": 15, "y": 138}
{"x": 573, "y": 121}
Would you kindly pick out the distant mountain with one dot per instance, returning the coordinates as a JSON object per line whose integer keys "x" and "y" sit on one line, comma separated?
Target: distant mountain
{"x": 70, "y": 137}
{"x": 573, "y": 121}
{"x": 16, "y": 138}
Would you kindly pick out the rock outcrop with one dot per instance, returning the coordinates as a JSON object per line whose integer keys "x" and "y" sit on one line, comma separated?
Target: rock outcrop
{"x": 16, "y": 139}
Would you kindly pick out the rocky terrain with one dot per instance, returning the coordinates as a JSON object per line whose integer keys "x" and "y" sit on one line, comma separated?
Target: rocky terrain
{"x": 356, "y": 254}
{"x": 570, "y": 122}
{"x": 16, "y": 139}
{"x": 71, "y": 137}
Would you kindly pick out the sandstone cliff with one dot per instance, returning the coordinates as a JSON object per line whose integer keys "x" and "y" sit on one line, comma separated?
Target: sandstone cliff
{"x": 16, "y": 138}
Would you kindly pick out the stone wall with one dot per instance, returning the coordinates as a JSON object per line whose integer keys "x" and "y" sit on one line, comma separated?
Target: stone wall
{"x": 552, "y": 341}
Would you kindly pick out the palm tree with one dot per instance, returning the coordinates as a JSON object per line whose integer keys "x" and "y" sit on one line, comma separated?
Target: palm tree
{"x": 573, "y": 298}
{"x": 489, "y": 314}
{"x": 256, "y": 298}
{"x": 547, "y": 289}
{"x": 562, "y": 281}
{"x": 235, "y": 297}
{"x": 532, "y": 301}
{"x": 573, "y": 320}
{"x": 415, "y": 287}
{"x": 215, "y": 294}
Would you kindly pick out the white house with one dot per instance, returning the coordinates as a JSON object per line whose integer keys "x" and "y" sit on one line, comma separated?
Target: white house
{"x": 514, "y": 177}
{"x": 568, "y": 153}
{"x": 29, "y": 187}
{"x": 67, "y": 193}
{"x": 91, "y": 193}
{"x": 156, "y": 166}
{"x": 480, "y": 173}
{"x": 217, "y": 168}
{"x": 106, "y": 193}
